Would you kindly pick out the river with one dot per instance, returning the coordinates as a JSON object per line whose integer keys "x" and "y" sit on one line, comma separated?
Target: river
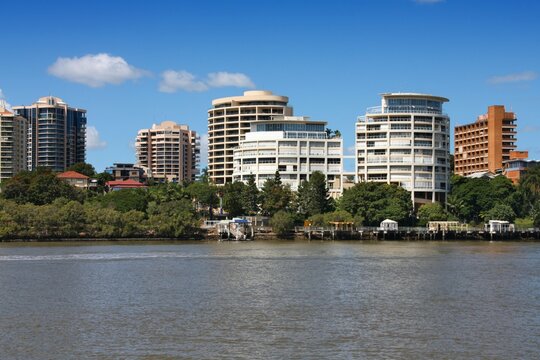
{"x": 270, "y": 300}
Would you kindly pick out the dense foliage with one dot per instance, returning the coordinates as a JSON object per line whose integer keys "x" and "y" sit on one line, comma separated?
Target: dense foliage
{"x": 40, "y": 205}
{"x": 282, "y": 223}
{"x": 38, "y": 187}
{"x": 374, "y": 202}
{"x": 62, "y": 211}
{"x": 275, "y": 196}
{"x": 313, "y": 197}
{"x": 431, "y": 212}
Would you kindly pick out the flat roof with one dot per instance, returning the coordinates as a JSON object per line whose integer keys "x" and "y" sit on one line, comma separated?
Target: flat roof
{"x": 414, "y": 95}
{"x": 251, "y": 95}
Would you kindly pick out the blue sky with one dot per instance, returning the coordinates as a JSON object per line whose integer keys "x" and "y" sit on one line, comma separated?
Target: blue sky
{"x": 332, "y": 58}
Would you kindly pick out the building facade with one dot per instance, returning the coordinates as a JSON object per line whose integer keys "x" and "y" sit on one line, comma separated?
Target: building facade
{"x": 13, "y": 132}
{"x": 406, "y": 141}
{"x": 124, "y": 171}
{"x": 485, "y": 144}
{"x": 230, "y": 119}
{"x": 56, "y": 133}
{"x": 294, "y": 146}
{"x": 75, "y": 179}
{"x": 168, "y": 152}
{"x": 515, "y": 168}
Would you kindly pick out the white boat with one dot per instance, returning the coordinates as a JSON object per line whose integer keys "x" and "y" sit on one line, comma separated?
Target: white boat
{"x": 237, "y": 229}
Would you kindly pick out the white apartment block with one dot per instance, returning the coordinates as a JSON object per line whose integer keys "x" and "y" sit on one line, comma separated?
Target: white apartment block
{"x": 406, "y": 141}
{"x": 294, "y": 146}
{"x": 230, "y": 119}
{"x": 168, "y": 152}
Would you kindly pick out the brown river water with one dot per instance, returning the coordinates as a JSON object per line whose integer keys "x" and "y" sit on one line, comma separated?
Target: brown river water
{"x": 270, "y": 300}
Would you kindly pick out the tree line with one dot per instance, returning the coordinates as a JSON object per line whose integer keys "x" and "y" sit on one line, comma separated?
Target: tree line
{"x": 40, "y": 205}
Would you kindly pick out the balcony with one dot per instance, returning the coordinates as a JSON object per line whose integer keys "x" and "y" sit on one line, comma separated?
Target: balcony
{"x": 403, "y": 109}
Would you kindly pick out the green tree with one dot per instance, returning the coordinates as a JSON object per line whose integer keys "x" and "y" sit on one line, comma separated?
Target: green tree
{"x": 103, "y": 222}
{"x": 232, "y": 198}
{"x": 275, "y": 196}
{"x": 471, "y": 197}
{"x": 529, "y": 191}
{"x": 167, "y": 192}
{"x": 205, "y": 196}
{"x": 431, "y": 212}
{"x": 374, "y": 202}
{"x": 535, "y": 214}
{"x": 499, "y": 212}
{"x": 72, "y": 217}
{"x": 134, "y": 224}
{"x": 313, "y": 197}
{"x": 9, "y": 227}
{"x": 125, "y": 200}
{"x": 172, "y": 219}
{"x": 530, "y": 183}
{"x": 455, "y": 206}
{"x": 282, "y": 222}
{"x": 83, "y": 168}
{"x": 38, "y": 187}
{"x": 251, "y": 197}
{"x": 103, "y": 177}
{"x": 327, "y": 218}
{"x": 204, "y": 178}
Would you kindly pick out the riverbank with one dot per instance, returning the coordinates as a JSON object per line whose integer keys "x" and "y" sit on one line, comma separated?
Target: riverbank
{"x": 273, "y": 237}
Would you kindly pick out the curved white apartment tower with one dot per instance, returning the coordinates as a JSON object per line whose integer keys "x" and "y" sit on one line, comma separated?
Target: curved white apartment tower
{"x": 293, "y": 145}
{"x": 406, "y": 141}
{"x": 230, "y": 119}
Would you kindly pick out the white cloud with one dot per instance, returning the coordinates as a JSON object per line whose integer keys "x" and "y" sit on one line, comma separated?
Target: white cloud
{"x": 204, "y": 150}
{"x": 172, "y": 81}
{"x": 513, "y": 78}
{"x": 428, "y": 1}
{"x": 3, "y": 101}
{"x": 95, "y": 70}
{"x": 93, "y": 141}
{"x": 222, "y": 79}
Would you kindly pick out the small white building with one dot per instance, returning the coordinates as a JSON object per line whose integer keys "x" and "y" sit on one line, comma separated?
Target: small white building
{"x": 499, "y": 226}
{"x": 293, "y": 145}
{"x": 389, "y": 225}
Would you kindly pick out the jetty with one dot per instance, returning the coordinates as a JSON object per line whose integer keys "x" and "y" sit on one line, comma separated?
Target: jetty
{"x": 435, "y": 230}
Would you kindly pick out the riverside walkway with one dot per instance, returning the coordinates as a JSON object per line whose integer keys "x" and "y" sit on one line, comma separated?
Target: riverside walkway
{"x": 414, "y": 233}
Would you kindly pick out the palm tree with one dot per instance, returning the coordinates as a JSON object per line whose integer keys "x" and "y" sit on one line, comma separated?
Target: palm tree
{"x": 455, "y": 206}
{"x": 530, "y": 183}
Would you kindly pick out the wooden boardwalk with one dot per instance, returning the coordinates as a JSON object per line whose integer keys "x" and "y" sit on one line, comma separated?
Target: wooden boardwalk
{"x": 414, "y": 233}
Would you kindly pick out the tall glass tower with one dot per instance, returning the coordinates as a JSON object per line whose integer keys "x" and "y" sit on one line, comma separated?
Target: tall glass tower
{"x": 56, "y": 133}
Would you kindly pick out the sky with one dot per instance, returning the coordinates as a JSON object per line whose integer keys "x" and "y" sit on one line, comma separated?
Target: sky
{"x": 131, "y": 64}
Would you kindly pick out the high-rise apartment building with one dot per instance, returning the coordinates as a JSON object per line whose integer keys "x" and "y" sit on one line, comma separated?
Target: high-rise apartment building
{"x": 485, "y": 144}
{"x": 168, "y": 152}
{"x": 230, "y": 119}
{"x": 13, "y": 132}
{"x": 293, "y": 145}
{"x": 56, "y": 133}
{"x": 406, "y": 141}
